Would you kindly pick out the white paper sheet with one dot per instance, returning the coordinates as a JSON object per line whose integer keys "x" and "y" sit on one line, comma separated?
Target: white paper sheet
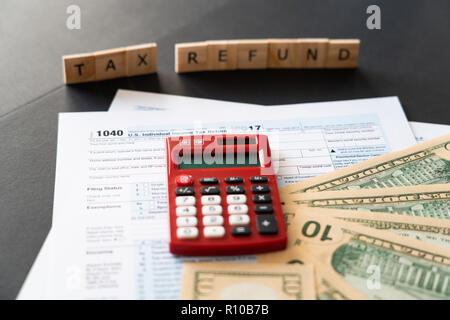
{"x": 130, "y": 100}
{"x": 425, "y": 131}
{"x": 361, "y": 125}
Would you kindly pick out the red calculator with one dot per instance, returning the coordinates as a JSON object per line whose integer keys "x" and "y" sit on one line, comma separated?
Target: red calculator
{"x": 222, "y": 196}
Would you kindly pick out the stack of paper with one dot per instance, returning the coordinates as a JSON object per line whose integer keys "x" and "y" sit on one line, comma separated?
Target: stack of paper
{"x": 109, "y": 234}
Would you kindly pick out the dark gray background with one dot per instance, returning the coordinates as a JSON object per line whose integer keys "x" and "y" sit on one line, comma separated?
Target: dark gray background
{"x": 408, "y": 58}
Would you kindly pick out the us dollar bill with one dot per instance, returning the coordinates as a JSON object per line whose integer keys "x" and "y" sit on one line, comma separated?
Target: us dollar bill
{"x": 247, "y": 281}
{"x": 432, "y": 230}
{"x": 424, "y": 163}
{"x": 329, "y": 286}
{"x": 432, "y": 201}
{"x": 379, "y": 264}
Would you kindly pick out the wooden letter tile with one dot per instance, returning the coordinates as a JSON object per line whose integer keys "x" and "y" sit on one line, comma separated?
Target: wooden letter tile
{"x": 281, "y": 53}
{"x": 110, "y": 64}
{"x": 343, "y": 53}
{"x": 252, "y": 54}
{"x": 191, "y": 57}
{"x": 141, "y": 59}
{"x": 311, "y": 53}
{"x": 79, "y": 68}
{"x": 222, "y": 55}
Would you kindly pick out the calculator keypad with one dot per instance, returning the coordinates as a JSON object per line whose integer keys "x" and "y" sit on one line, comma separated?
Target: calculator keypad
{"x": 239, "y": 216}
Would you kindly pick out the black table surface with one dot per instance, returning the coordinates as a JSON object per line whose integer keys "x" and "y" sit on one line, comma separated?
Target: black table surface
{"x": 408, "y": 58}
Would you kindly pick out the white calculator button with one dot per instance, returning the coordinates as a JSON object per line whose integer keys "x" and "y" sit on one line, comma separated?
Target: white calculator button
{"x": 237, "y": 209}
{"x": 187, "y": 233}
{"x": 212, "y": 220}
{"x": 210, "y": 199}
{"x": 185, "y": 201}
{"x": 239, "y": 220}
{"x": 214, "y": 232}
{"x": 186, "y": 211}
{"x": 211, "y": 210}
{"x": 186, "y": 222}
{"x": 236, "y": 199}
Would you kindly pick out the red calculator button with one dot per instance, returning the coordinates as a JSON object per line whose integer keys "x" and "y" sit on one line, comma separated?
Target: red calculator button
{"x": 184, "y": 180}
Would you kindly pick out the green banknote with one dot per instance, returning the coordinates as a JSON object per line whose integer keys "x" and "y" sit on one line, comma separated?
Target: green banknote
{"x": 432, "y": 230}
{"x": 379, "y": 264}
{"x": 328, "y": 286}
{"x": 424, "y": 163}
{"x": 432, "y": 201}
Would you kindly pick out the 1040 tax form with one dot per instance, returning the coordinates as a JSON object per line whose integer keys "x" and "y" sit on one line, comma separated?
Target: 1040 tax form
{"x": 110, "y": 232}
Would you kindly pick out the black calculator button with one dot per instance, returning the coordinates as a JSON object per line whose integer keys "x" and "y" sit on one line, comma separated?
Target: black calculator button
{"x": 263, "y": 208}
{"x": 260, "y": 188}
{"x": 266, "y": 224}
{"x": 184, "y": 191}
{"x": 210, "y": 190}
{"x": 209, "y": 181}
{"x": 241, "y": 231}
{"x": 234, "y": 180}
{"x": 258, "y": 179}
{"x": 235, "y": 189}
{"x": 262, "y": 198}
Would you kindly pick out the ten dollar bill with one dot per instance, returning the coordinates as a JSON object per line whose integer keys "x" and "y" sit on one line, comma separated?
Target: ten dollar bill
{"x": 247, "y": 281}
{"x": 377, "y": 263}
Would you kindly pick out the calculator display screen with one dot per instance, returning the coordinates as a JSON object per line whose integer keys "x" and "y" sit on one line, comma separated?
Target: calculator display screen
{"x": 236, "y": 160}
